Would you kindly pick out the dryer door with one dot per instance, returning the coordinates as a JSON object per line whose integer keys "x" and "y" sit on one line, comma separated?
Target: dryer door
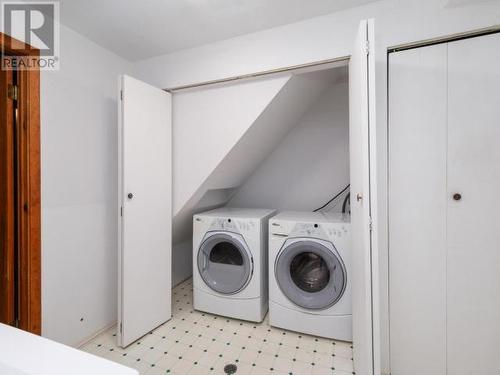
{"x": 311, "y": 274}
{"x": 225, "y": 263}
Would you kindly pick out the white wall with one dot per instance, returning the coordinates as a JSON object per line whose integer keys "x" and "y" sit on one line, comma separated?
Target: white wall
{"x": 182, "y": 261}
{"x": 208, "y": 123}
{"x": 330, "y": 36}
{"x": 79, "y": 202}
{"x": 397, "y": 21}
{"x": 310, "y": 165}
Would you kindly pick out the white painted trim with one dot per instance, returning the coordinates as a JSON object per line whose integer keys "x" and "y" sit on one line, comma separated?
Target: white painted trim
{"x": 94, "y": 335}
{"x": 301, "y": 68}
{"x": 446, "y": 38}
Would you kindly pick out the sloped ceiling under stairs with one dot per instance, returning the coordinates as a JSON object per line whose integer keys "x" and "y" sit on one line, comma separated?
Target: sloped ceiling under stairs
{"x": 244, "y": 123}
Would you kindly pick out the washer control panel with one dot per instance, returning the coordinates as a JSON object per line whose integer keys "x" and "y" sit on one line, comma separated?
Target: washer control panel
{"x": 308, "y": 230}
{"x": 316, "y": 230}
{"x": 278, "y": 228}
{"x": 338, "y": 231}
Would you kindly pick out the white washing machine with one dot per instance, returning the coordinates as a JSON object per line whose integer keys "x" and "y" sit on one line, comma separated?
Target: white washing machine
{"x": 309, "y": 281}
{"x": 230, "y": 262}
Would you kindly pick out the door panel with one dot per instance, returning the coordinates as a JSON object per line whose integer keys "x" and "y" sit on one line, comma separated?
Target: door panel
{"x": 473, "y": 299}
{"x": 146, "y": 197}
{"x": 444, "y": 233}
{"x": 7, "y": 215}
{"x": 361, "y": 120}
{"x": 417, "y": 210}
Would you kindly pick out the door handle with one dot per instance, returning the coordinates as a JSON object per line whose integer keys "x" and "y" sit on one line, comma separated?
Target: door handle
{"x": 359, "y": 197}
{"x": 457, "y": 196}
{"x": 130, "y": 195}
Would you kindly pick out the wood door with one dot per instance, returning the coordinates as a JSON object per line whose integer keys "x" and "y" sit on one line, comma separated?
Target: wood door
{"x": 7, "y": 201}
{"x": 26, "y": 197}
{"x": 417, "y": 210}
{"x": 473, "y": 254}
{"x": 145, "y": 191}
{"x": 362, "y": 147}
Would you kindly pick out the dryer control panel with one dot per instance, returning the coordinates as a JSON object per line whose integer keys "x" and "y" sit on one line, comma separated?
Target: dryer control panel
{"x": 223, "y": 224}
{"x": 232, "y": 225}
{"x": 246, "y": 225}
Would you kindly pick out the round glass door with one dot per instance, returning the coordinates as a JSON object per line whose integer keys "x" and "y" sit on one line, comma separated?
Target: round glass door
{"x": 224, "y": 262}
{"x": 310, "y": 274}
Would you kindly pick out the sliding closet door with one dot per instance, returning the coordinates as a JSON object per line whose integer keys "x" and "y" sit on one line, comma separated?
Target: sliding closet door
{"x": 145, "y": 197}
{"x": 474, "y": 218}
{"x": 362, "y": 172}
{"x": 417, "y": 210}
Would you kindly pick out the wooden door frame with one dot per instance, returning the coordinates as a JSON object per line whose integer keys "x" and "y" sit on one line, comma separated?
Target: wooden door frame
{"x": 29, "y": 207}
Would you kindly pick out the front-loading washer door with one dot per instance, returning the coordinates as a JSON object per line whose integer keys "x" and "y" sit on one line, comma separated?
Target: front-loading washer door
{"x": 224, "y": 262}
{"x": 310, "y": 274}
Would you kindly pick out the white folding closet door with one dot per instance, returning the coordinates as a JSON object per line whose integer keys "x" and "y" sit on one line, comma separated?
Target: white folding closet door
{"x": 417, "y": 210}
{"x": 145, "y": 197}
{"x": 473, "y": 257}
{"x": 361, "y": 142}
{"x": 444, "y": 232}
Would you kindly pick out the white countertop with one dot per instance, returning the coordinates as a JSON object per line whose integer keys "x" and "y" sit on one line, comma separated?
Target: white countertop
{"x": 23, "y": 353}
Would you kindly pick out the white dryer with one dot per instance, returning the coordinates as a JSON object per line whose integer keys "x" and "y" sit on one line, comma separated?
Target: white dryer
{"x": 309, "y": 281}
{"x": 230, "y": 262}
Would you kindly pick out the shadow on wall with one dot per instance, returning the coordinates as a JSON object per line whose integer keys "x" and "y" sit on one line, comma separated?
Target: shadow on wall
{"x": 310, "y": 165}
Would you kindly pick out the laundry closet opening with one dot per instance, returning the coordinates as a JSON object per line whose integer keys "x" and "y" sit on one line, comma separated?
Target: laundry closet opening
{"x": 246, "y": 183}
{"x": 279, "y": 141}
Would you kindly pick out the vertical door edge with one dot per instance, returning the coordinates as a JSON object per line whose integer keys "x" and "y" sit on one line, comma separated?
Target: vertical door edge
{"x": 120, "y": 97}
{"x": 372, "y": 123}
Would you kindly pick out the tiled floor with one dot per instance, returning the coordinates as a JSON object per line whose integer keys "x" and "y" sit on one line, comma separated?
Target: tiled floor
{"x": 199, "y": 343}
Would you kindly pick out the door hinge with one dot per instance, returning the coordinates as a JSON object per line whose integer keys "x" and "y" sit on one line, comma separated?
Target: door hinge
{"x": 367, "y": 47}
{"x": 370, "y": 225}
{"x": 121, "y": 329}
{"x": 121, "y": 211}
{"x": 121, "y": 94}
{"x": 13, "y": 92}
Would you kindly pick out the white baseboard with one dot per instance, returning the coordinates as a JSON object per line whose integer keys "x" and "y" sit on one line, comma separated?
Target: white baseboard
{"x": 94, "y": 335}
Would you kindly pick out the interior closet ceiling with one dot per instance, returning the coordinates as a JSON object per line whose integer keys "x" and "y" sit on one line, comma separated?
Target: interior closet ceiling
{"x": 137, "y": 30}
